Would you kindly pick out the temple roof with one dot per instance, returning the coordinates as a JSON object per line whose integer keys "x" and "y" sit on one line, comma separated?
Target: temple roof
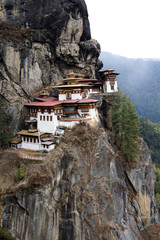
{"x": 88, "y": 100}
{"x": 46, "y": 99}
{"x": 15, "y": 140}
{"x": 27, "y": 133}
{"x": 87, "y": 80}
{"x": 73, "y": 86}
{"x": 54, "y": 103}
{"x": 44, "y": 104}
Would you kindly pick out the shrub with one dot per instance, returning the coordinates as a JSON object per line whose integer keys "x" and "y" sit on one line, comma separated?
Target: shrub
{"x": 4, "y": 235}
{"x": 21, "y": 173}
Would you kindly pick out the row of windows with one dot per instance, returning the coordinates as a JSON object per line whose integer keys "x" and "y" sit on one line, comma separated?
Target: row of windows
{"x": 33, "y": 110}
{"x": 32, "y": 140}
{"x": 45, "y": 118}
{"x": 45, "y": 146}
{"x": 76, "y": 91}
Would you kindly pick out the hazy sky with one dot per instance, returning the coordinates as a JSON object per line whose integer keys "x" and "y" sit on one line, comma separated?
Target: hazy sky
{"x": 128, "y": 28}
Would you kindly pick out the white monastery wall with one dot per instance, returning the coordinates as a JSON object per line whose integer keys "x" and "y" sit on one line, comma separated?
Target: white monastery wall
{"x": 30, "y": 145}
{"x": 50, "y": 147}
{"x": 68, "y": 124}
{"x": 76, "y": 96}
{"x": 108, "y": 86}
{"x": 92, "y": 112}
{"x": 62, "y": 97}
{"x": 49, "y": 125}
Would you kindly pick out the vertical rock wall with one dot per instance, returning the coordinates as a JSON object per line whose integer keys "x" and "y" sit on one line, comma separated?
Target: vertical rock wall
{"x": 91, "y": 196}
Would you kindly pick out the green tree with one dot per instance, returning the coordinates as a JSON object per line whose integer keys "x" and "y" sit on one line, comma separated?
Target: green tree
{"x": 4, "y": 235}
{"x": 125, "y": 126}
{"x": 150, "y": 132}
{"x": 21, "y": 173}
{"x": 157, "y": 183}
{"x": 5, "y": 132}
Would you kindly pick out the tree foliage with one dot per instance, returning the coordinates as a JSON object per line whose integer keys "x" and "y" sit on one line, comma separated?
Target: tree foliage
{"x": 4, "y": 235}
{"x": 125, "y": 126}
{"x": 5, "y": 132}
{"x": 21, "y": 173}
{"x": 150, "y": 132}
{"x": 157, "y": 183}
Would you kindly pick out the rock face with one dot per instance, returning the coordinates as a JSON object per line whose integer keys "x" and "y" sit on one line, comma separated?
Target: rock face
{"x": 90, "y": 194}
{"x": 40, "y": 42}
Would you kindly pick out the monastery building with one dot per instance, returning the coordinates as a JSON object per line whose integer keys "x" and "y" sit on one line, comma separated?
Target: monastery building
{"x": 48, "y": 115}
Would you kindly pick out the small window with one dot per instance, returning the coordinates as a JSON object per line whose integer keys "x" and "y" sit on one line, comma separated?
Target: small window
{"x": 24, "y": 139}
{"x": 68, "y": 95}
{"x": 40, "y": 118}
{"x": 50, "y": 118}
{"x": 112, "y": 87}
{"x": 27, "y": 139}
{"x": 47, "y": 118}
{"x": 43, "y": 118}
{"x": 34, "y": 140}
{"x": 30, "y": 139}
{"x": 47, "y": 146}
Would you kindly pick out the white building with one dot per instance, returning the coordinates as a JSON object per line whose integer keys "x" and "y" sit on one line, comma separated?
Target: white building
{"x": 109, "y": 78}
{"x": 35, "y": 140}
{"x": 72, "y": 106}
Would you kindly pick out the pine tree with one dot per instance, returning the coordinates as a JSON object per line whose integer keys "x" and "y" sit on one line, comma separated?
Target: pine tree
{"x": 5, "y": 133}
{"x": 125, "y": 126}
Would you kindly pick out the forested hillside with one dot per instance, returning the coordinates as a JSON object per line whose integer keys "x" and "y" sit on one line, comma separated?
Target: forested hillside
{"x": 140, "y": 79}
{"x": 151, "y": 135}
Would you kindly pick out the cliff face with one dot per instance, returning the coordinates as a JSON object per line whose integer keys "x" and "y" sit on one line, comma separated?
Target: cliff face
{"x": 90, "y": 195}
{"x": 40, "y": 42}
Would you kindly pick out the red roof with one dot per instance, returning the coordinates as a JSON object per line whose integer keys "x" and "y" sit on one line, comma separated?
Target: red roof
{"x": 71, "y": 101}
{"x": 54, "y": 103}
{"x": 44, "y": 104}
{"x": 98, "y": 83}
{"x": 46, "y": 99}
{"x": 88, "y": 101}
{"x": 87, "y": 80}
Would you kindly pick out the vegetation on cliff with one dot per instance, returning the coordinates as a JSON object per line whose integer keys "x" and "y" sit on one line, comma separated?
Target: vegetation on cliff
{"x": 150, "y": 132}
{"x": 157, "y": 183}
{"x": 5, "y": 132}
{"x": 125, "y": 126}
{"x": 4, "y": 235}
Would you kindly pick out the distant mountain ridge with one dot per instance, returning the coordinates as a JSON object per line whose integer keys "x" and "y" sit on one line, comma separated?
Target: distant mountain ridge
{"x": 140, "y": 80}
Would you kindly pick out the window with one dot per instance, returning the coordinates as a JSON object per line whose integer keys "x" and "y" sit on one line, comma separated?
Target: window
{"x": 30, "y": 139}
{"x": 24, "y": 139}
{"x": 47, "y": 146}
{"x": 112, "y": 87}
{"x": 27, "y": 139}
{"x": 47, "y": 118}
{"x": 43, "y": 118}
{"x": 34, "y": 140}
{"x": 68, "y": 95}
{"x": 50, "y": 118}
{"x": 40, "y": 118}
